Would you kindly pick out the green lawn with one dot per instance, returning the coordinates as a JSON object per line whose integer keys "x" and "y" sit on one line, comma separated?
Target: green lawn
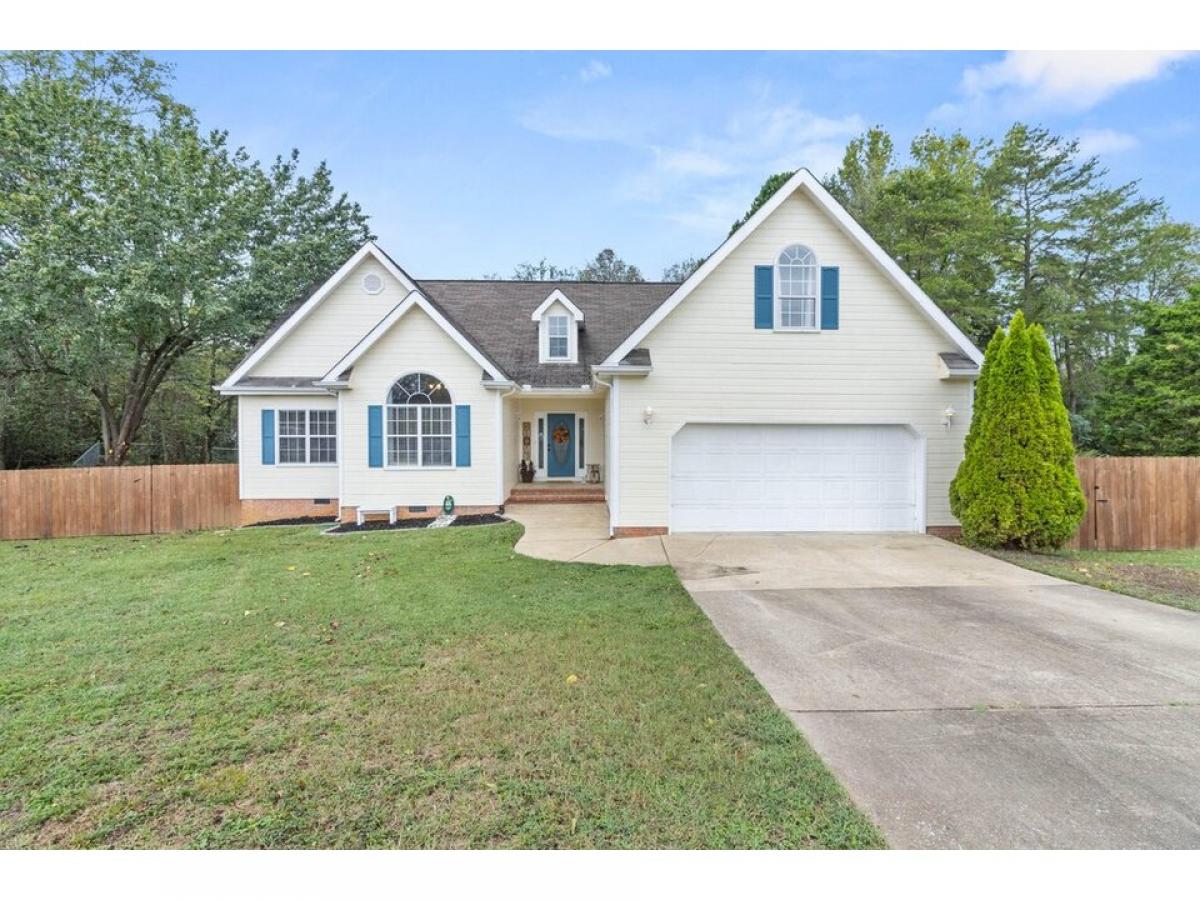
{"x": 1164, "y": 576}
{"x": 277, "y": 688}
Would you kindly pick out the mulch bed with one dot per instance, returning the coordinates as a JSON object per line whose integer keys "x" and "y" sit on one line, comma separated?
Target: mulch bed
{"x": 384, "y": 525}
{"x": 485, "y": 519}
{"x": 298, "y": 520}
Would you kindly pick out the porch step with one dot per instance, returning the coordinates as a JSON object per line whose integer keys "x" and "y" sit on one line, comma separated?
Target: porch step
{"x": 555, "y": 493}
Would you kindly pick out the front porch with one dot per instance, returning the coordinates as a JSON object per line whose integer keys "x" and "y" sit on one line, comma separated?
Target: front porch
{"x": 556, "y": 492}
{"x": 561, "y": 438}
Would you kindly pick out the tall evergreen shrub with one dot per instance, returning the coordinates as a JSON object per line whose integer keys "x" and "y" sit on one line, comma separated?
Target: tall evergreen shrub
{"x": 1017, "y": 486}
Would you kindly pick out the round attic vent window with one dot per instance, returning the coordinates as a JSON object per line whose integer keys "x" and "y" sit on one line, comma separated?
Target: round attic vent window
{"x": 372, "y": 283}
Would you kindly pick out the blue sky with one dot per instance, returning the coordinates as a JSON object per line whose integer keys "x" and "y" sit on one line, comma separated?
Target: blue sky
{"x": 470, "y": 163}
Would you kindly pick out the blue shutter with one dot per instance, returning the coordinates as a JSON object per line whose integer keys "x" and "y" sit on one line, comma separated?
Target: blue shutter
{"x": 764, "y": 296}
{"x": 829, "y": 298}
{"x": 375, "y": 437}
{"x": 268, "y": 437}
{"x": 462, "y": 435}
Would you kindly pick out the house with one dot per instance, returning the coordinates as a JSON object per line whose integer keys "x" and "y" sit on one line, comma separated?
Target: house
{"x": 798, "y": 380}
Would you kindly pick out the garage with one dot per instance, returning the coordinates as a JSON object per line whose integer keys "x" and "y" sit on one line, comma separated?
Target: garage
{"x": 796, "y": 478}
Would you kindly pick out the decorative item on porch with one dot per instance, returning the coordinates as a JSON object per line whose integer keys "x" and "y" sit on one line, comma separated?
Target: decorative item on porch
{"x": 593, "y": 473}
{"x": 562, "y": 443}
{"x": 526, "y": 471}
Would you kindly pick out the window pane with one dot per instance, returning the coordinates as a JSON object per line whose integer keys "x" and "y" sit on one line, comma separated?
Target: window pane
{"x": 402, "y": 451}
{"x": 435, "y": 420}
{"x": 435, "y": 451}
{"x": 291, "y": 421}
{"x": 291, "y": 450}
{"x": 404, "y": 388}
{"x": 402, "y": 420}
{"x": 579, "y": 438}
{"x": 322, "y": 450}
{"x": 558, "y": 348}
{"x": 541, "y": 443}
{"x": 558, "y": 326}
{"x": 322, "y": 422}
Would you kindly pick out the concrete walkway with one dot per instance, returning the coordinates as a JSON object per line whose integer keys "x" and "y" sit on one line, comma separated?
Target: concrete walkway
{"x": 962, "y": 701}
{"x": 578, "y": 532}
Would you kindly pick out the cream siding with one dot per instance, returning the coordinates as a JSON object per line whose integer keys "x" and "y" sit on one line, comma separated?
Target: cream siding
{"x": 334, "y": 326}
{"x": 418, "y": 344}
{"x": 712, "y": 365}
{"x": 280, "y": 481}
{"x": 511, "y": 445}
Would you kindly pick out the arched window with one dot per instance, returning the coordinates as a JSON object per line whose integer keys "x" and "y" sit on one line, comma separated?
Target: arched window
{"x": 797, "y": 288}
{"x": 420, "y": 422}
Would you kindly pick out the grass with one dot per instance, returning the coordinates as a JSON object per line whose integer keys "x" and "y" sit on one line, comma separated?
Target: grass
{"x": 1171, "y": 577}
{"x": 277, "y": 688}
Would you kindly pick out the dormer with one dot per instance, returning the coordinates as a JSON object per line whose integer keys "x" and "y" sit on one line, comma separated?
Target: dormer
{"x": 559, "y": 321}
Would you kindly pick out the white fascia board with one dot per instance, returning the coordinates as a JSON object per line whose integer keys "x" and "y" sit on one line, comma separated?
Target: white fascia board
{"x": 414, "y": 299}
{"x": 493, "y": 384}
{"x": 237, "y": 390}
{"x": 368, "y": 249}
{"x": 806, "y": 180}
{"x": 557, "y": 296}
{"x": 622, "y": 370}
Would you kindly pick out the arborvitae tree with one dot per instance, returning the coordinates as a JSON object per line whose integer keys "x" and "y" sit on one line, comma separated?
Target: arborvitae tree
{"x": 978, "y": 405}
{"x": 1016, "y": 486}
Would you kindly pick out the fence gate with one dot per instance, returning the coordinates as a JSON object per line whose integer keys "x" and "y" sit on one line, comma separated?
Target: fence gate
{"x": 1139, "y": 502}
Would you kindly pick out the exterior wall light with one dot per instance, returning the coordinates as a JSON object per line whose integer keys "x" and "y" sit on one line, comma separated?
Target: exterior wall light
{"x": 647, "y": 414}
{"x": 948, "y": 415}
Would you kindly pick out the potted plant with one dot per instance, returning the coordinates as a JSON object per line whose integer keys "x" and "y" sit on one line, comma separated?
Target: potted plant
{"x": 526, "y": 471}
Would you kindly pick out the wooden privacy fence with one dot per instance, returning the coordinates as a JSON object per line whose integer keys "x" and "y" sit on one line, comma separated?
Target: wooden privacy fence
{"x": 1139, "y": 502}
{"x": 43, "y": 503}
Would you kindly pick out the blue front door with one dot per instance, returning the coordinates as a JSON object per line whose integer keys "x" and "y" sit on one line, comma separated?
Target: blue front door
{"x": 560, "y": 445}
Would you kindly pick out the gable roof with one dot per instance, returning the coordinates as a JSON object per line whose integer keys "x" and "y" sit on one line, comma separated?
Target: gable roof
{"x": 300, "y": 310}
{"x": 557, "y": 296}
{"x": 384, "y": 325}
{"x": 804, "y": 180}
{"x": 498, "y": 316}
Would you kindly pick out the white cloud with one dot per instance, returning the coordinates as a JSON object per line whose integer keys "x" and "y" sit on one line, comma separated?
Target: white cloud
{"x": 1105, "y": 142}
{"x": 693, "y": 166}
{"x": 595, "y": 70}
{"x": 1026, "y": 81}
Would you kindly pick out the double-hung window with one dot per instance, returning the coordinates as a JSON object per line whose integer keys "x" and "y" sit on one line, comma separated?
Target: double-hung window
{"x": 558, "y": 335}
{"x": 797, "y": 289}
{"x": 307, "y": 436}
{"x": 420, "y": 423}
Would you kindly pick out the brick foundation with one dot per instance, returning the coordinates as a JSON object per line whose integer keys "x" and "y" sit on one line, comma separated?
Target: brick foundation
{"x": 625, "y": 531}
{"x": 949, "y": 532}
{"x": 350, "y": 513}
{"x": 254, "y": 511}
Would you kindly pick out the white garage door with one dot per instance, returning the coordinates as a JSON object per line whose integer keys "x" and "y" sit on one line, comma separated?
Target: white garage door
{"x": 794, "y": 478}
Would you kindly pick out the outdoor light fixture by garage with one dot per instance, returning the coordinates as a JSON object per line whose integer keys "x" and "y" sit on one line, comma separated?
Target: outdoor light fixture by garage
{"x": 948, "y": 415}
{"x": 647, "y": 414}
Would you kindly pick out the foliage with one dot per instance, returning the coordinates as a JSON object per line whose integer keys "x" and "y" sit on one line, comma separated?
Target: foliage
{"x": 683, "y": 269}
{"x": 129, "y": 237}
{"x": 1151, "y": 401}
{"x": 543, "y": 270}
{"x": 271, "y": 687}
{"x": 607, "y": 266}
{"x": 1017, "y": 486}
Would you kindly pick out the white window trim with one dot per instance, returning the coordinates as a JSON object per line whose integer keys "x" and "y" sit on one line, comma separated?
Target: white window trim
{"x": 387, "y": 435}
{"x": 308, "y": 436}
{"x": 779, "y": 298}
{"x": 546, "y": 324}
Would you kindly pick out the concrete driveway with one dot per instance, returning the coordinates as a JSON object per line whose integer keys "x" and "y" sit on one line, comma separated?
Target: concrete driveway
{"x": 963, "y": 701}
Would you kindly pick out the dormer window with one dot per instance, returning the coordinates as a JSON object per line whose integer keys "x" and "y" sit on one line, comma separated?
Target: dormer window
{"x": 559, "y": 321}
{"x": 559, "y": 337}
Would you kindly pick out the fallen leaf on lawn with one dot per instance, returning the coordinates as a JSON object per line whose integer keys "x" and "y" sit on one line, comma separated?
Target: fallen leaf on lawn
{"x": 291, "y": 568}
{"x": 335, "y": 625}
{"x": 710, "y": 721}
{"x": 302, "y": 574}
{"x": 571, "y": 679}
{"x": 279, "y": 624}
